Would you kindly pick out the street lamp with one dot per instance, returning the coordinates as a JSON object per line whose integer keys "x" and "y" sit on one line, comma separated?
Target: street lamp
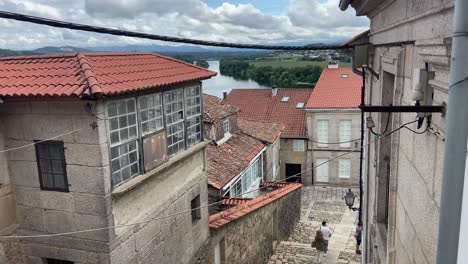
{"x": 349, "y": 199}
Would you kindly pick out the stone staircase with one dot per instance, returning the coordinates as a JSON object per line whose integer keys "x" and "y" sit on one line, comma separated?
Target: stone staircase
{"x": 293, "y": 252}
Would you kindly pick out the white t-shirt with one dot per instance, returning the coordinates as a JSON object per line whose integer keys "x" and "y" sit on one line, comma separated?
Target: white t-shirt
{"x": 326, "y": 232}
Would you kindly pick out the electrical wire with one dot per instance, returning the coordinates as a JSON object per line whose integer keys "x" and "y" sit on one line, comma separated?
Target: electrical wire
{"x": 386, "y": 127}
{"x": 40, "y": 141}
{"x": 204, "y": 206}
{"x": 335, "y": 143}
{"x": 125, "y": 33}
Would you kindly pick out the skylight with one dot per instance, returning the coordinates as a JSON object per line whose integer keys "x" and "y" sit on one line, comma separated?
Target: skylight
{"x": 300, "y": 105}
{"x": 344, "y": 75}
{"x": 285, "y": 99}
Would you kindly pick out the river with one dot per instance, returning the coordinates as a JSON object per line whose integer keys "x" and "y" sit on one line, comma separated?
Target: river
{"x": 221, "y": 83}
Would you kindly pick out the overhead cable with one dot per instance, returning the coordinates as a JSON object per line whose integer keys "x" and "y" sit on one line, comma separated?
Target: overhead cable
{"x": 126, "y": 33}
{"x": 204, "y": 206}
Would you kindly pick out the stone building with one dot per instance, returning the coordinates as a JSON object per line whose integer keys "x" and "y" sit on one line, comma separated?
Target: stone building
{"x": 241, "y": 153}
{"x": 410, "y": 48}
{"x": 284, "y": 106}
{"x": 250, "y": 230}
{"x": 98, "y": 140}
{"x": 333, "y": 116}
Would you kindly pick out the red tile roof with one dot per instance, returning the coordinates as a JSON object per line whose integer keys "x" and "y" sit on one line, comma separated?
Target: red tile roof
{"x": 81, "y": 74}
{"x": 260, "y": 105}
{"x": 363, "y": 36}
{"x": 214, "y": 110}
{"x": 220, "y": 219}
{"x": 229, "y": 159}
{"x": 334, "y": 91}
{"x": 235, "y": 201}
{"x": 264, "y": 131}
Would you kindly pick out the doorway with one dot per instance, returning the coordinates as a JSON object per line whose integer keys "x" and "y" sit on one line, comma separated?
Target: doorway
{"x": 293, "y": 172}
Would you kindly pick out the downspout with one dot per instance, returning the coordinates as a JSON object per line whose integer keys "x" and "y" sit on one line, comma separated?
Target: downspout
{"x": 361, "y": 158}
{"x": 456, "y": 141}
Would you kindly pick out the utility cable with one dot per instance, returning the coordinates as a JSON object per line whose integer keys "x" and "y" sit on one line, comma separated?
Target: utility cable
{"x": 125, "y": 33}
{"x": 205, "y": 206}
{"x": 40, "y": 141}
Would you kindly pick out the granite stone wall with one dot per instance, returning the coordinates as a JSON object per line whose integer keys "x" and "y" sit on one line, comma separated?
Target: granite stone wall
{"x": 250, "y": 239}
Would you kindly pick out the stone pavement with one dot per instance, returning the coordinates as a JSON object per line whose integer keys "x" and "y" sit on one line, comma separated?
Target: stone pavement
{"x": 317, "y": 204}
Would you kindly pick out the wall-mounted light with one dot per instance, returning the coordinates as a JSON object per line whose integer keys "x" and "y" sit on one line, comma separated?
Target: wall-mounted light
{"x": 370, "y": 122}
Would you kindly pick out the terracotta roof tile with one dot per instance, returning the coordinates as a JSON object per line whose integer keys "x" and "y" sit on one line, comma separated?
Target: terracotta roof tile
{"x": 72, "y": 75}
{"x": 264, "y": 131}
{"x": 260, "y": 105}
{"x": 226, "y": 161}
{"x": 234, "y": 201}
{"x": 225, "y": 217}
{"x": 334, "y": 91}
{"x": 214, "y": 110}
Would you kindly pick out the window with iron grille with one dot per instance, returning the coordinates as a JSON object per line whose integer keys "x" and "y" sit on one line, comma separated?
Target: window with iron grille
{"x": 51, "y": 165}
{"x": 122, "y": 118}
{"x": 196, "y": 210}
{"x": 150, "y": 113}
{"x": 322, "y": 133}
{"x": 193, "y": 115}
{"x": 174, "y": 110}
{"x": 344, "y": 168}
{"x": 345, "y": 133}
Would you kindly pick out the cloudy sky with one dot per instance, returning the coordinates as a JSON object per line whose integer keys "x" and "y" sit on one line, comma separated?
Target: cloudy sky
{"x": 256, "y": 21}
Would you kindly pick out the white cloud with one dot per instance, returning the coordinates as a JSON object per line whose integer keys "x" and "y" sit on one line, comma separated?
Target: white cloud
{"x": 304, "y": 20}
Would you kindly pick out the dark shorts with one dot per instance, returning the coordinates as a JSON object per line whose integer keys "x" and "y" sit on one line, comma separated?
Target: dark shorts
{"x": 358, "y": 241}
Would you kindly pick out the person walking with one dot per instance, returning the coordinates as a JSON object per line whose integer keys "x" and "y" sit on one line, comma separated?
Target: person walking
{"x": 358, "y": 236}
{"x": 326, "y": 235}
{"x": 320, "y": 244}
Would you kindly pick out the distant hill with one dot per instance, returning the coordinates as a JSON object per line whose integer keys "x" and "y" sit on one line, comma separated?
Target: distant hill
{"x": 64, "y": 49}
{"x": 8, "y": 52}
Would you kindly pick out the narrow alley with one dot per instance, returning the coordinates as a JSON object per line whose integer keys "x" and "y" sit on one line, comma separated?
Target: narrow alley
{"x": 318, "y": 204}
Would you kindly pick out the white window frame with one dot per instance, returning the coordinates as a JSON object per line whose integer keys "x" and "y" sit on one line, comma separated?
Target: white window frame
{"x": 125, "y": 141}
{"x": 344, "y": 168}
{"x": 153, "y": 110}
{"x": 226, "y": 127}
{"x": 175, "y": 124}
{"x": 345, "y": 133}
{"x": 193, "y": 109}
{"x": 120, "y": 151}
{"x": 248, "y": 179}
{"x": 322, "y": 132}
{"x": 298, "y": 145}
{"x": 275, "y": 159}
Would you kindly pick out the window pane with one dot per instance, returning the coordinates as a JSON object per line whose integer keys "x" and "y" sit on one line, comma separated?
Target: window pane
{"x": 59, "y": 181}
{"x": 112, "y": 110}
{"x": 46, "y": 165}
{"x": 57, "y": 166}
{"x": 127, "y": 158}
{"x": 48, "y": 180}
{"x": 150, "y": 110}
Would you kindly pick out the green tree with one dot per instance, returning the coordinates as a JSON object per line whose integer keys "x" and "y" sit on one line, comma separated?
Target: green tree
{"x": 202, "y": 63}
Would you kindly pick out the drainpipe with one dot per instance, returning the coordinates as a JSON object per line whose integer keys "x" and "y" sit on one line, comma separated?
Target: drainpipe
{"x": 456, "y": 141}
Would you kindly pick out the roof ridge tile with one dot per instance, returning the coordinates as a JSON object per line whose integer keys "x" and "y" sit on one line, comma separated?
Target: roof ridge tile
{"x": 93, "y": 84}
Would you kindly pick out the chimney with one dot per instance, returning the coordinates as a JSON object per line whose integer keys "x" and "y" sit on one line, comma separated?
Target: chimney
{"x": 332, "y": 65}
{"x": 224, "y": 95}
{"x": 274, "y": 90}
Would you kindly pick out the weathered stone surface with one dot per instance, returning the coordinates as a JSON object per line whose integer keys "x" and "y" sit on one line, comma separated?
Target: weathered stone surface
{"x": 24, "y": 173}
{"x": 57, "y": 201}
{"x": 124, "y": 253}
{"x": 85, "y": 179}
{"x": 31, "y": 218}
{"x": 93, "y": 204}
